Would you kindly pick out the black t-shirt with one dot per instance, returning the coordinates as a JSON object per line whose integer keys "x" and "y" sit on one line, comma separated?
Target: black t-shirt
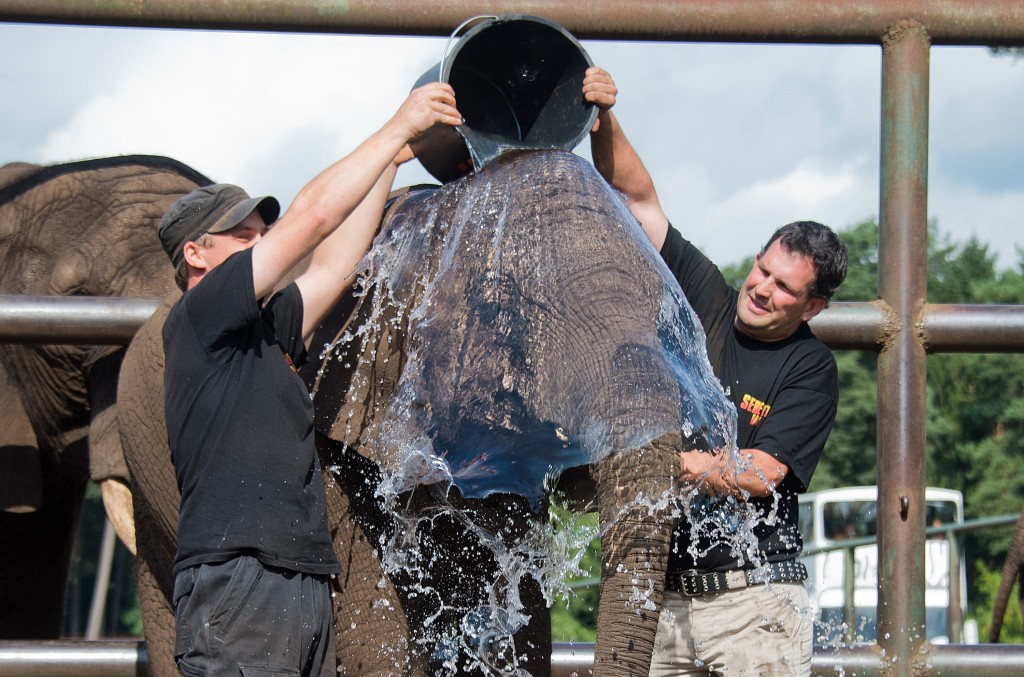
{"x": 240, "y": 426}
{"x": 786, "y": 394}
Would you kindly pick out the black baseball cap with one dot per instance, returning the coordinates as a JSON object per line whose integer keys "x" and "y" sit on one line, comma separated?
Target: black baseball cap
{"x": 210, "y": 209}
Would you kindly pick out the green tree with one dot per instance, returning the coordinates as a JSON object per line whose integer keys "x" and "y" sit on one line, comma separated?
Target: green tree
{"x": 122, "y": 617}
{"x": 574, "y": 619}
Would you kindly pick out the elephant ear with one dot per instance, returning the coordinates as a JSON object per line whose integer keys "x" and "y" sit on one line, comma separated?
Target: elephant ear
{"x": 20, "y": 471}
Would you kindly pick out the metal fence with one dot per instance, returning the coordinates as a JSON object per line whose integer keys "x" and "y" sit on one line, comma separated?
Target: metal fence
{"x": 901, "y": 326}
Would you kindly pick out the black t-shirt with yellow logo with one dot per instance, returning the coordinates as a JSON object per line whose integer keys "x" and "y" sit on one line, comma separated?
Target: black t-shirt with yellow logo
{"x": 786, "y": 394}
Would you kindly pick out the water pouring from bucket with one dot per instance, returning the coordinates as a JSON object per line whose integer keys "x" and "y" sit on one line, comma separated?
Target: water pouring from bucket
{"x": 518, "y": 81}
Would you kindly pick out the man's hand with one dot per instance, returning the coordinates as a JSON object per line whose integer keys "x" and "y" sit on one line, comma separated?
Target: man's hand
{"x": 717, "y": 473}
{"x": 424, "y": 107}
{"x": 600, "y": 90}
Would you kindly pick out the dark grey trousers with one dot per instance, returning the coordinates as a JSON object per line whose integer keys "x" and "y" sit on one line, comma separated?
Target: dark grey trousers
{"x": 244, "y": 618}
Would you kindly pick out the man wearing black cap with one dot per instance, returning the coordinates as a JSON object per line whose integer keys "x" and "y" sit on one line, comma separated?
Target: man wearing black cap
{"x": 251, "y": 591}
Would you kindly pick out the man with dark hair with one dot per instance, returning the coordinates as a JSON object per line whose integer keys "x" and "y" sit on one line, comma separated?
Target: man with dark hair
{"x": 252, "y": 590}
{"x": 729, "y": 611}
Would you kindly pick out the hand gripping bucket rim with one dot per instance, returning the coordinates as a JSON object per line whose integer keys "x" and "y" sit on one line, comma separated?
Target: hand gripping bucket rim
{"x": 518, "y": 83}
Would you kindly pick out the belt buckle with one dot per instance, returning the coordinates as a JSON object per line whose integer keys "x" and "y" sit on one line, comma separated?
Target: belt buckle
{"x": 736, "y": 579}
{"x": 689, "y": 576}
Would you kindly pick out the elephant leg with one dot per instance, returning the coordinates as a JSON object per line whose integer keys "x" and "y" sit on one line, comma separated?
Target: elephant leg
{"x": 154, "y": 489}
{"x": 37, "y": 550}
{"x": 156, "y": 549}
{"x": 373, "y": 635}
{"x": 21, "y": 487}
{"x": 636, "y": 527}
{"x": 158, "y": 621}
{"x": 466, "y": 590}
{"x": 1012, "y": 568}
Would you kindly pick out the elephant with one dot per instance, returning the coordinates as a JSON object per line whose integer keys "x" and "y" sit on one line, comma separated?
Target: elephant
{"x": 81, "y": 228}
{"x": 513, "y": 325}
{"x": 515, "y": 330}
{"x": 1012, "y": 568}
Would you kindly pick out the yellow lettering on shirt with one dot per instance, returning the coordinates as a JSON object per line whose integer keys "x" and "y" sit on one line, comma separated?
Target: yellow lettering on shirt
{"x": 758, "y": 409}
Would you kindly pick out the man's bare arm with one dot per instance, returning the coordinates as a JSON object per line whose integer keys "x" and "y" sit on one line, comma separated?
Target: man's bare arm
{"x": 716, "y": 472}
{"x": 330, "y": 198}
{"x": 618, "y": 162}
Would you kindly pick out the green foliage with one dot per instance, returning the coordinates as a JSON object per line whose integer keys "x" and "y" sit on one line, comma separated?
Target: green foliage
{"x": 122, "y": 616}
{"x": 575, "y": 619}
{"x": 987, "y": 583}
{"x": 735, "y": 274}
{"x": 1015, "y": 52}
{"x": 849, "y": 456}
{"x": 862, "y": 273}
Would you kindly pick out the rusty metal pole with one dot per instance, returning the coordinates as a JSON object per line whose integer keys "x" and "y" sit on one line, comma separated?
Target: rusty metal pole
{"x": 902, "y": 284}
{"x": 974, "y": 22}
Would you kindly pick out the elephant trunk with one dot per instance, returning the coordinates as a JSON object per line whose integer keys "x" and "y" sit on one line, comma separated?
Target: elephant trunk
{"x": 636, "y": 513}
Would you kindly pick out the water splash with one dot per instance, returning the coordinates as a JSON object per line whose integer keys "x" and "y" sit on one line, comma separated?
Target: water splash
{"x": 531, "y": 348}
{"x": 511, "y": 325}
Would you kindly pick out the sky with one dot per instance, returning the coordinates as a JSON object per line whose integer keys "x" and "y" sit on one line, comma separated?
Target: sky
{"x": 739, "y": 139}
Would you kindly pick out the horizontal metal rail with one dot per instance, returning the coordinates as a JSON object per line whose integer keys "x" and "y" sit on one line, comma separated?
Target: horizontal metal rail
{"x": 73, "y": 320}
{"x": 89, "y": 320}
{"x": 73, "y": 658}
{"x": 951, "y": 528}
{"x": 972, "y": 328}
{"x": 127, "y": 658}
{"x": 977, "y": 22}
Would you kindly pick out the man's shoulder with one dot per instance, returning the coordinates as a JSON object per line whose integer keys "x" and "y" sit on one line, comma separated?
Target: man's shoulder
{"x": 812, "y": 344}
{"x": 174, "y": 314}
{"x": 222, "y": 301}
{"x": 811, "y": 361}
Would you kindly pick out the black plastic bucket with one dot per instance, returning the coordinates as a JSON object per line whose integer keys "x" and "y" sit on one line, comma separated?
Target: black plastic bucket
{"x": 518, "y": 83}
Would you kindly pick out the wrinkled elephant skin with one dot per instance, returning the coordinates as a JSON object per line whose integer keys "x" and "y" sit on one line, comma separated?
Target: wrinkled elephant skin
{"x": 515, "y": 323}
{"x": 140, "y": 406}
{"x": 85, "y": 228}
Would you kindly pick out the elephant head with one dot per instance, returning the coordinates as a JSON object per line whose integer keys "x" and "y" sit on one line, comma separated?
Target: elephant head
{"x": 511, "y": 325}
{"x": 78, "y": 229}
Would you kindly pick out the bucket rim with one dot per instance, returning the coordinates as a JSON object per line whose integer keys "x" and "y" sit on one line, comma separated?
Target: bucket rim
{"x": 491, "y": 20}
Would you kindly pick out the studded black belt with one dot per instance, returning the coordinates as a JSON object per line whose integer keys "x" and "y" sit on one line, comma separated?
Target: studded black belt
{"x": 697, "y": 584}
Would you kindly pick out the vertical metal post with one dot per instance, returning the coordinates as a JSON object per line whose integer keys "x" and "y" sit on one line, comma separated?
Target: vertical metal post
{"x": 955, "y": 616}
{"x": 850, "y": 592}
{"x": 102, "y": 583}
{"x": 902, "y": 284}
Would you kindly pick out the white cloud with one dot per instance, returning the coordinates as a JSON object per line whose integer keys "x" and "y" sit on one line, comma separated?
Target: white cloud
{"x": 994, "y": 219}
{"x": 246, "y": 108}
{"x": 739, "y": 138}
{"x": 734, "y": 227}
